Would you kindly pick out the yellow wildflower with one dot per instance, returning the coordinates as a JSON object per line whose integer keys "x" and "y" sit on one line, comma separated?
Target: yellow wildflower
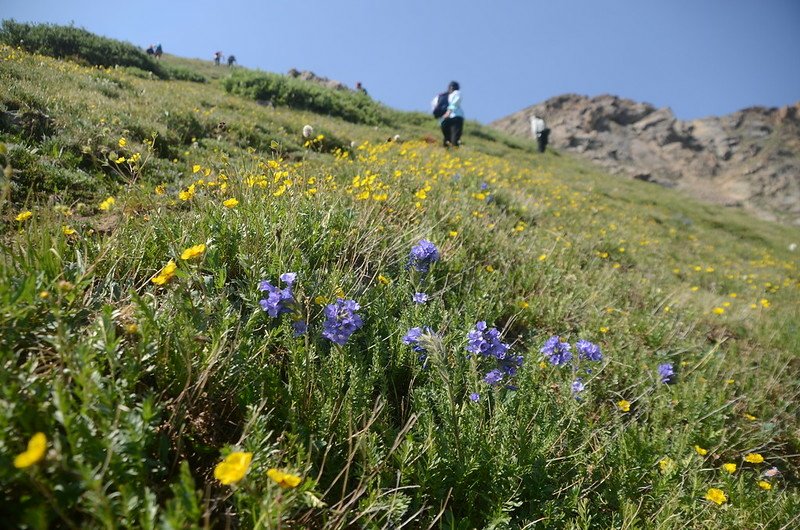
{"x": 730, "y": 467}
{"x": 193, "y": 252}
{"x": 764, "y": 302}
{"x": 119, "y": 160}
{"x": 764, "y": 485}
{"x": 718, "y": 310}
{"x": 23, "y": 216}
{"x": 603, "y": 329}
{"x": 107, "y": 204}
{"x": 665, "y": 465}
{"x": 700, "y": 451}
{"x": 161, "y": 189}
{"x": 44, "y": 295}
{"x": 384, "y": 280}
{"x": 749, "y": 417}
{"x": 453, "y": 233}
{"x": 489, "y": 268}
{"x": 230, "y": 203}
{"x": 37, "y": 446}
{"x": 131, "y": 329}
{"x": 753, "y": 458}
{"x": 543, "y": 257}
{"x": 523, "y": 304}
{"x": 284, "y": 480}
{"x": 67, "y": 231}
{"x": 624, "y": 405}
{"x": 122, "y": 142}
{"x": 196, "y": 168}
{"x": 165, "y": 274}
{"x": 233, "y": 468}
{"x": 716, "y": 495}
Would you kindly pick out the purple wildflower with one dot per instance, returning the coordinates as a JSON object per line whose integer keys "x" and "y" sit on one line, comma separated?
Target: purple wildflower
{"x": 422, "y": 256}
{"x": 557, "y": 352}
{"x": 666, "y": 373}
{"x": 300, "y": 327}
{"x": 485, "y": 342}
{"x": 278, "y": 301}
{"x": 474, "y": 397}
{"x": 288, "y": 278}
{"x": 578, "y": 386}
{"x": 589, "y": 350}
{"x": 341, "y": 321}
{"x": 420, "y": 298}
{"x": 412, "y": 338}
{"x": 494, "y": 377}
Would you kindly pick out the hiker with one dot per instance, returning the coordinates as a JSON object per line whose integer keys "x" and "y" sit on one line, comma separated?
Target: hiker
{"x": 217, "y": 58}
{"x": 231, "y": 60}
{"x": 360, "y": 88}
{"x": 452, "y": 121}
{"x": 159, "y": 51}
{"x": 151, "y": 50}
{"x": 540, "y": 132}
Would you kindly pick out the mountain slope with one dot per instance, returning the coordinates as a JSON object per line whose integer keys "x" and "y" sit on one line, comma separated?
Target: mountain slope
{"x": 180, "y": 270}
{"x": 750, "y": 158}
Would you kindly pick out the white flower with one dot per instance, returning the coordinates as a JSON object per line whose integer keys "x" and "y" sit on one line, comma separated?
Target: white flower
{"x": 308, "y": 131}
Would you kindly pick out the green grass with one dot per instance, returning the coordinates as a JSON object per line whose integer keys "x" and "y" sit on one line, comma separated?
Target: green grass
{"x": 142, "y": 389}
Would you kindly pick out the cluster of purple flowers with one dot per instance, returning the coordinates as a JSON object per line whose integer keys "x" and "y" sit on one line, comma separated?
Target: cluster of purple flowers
{"x": 341, "y": 321}
{"x": 422, "y": 256}
{"x": 666, "y": 373}
{"x": 280, "y": 301}
{"x": 485, "y": 341}
{"x": 559, "y": 353}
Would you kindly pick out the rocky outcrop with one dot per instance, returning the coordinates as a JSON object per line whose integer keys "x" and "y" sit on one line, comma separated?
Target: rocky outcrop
{"x": 750, "y": 158}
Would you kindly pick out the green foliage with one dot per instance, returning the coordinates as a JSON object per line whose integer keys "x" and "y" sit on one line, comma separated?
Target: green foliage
{"x": 298, "y": 94}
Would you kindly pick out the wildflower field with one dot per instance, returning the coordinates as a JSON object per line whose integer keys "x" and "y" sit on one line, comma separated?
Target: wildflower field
{"x": 211, "y": 319}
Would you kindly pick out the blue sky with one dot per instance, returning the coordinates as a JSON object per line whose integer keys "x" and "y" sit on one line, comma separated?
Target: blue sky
{"x": 698, "y": 57}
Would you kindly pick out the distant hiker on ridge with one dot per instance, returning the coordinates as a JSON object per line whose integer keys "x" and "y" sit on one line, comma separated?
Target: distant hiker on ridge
{"x": 360, "y": 88}
{"x": 151, "y": 50}
{"x": 447, "y": 107}
{"x": 231, "y": 60}
{"x": 217, "y": 58}
{"x": 159, "y": 51}
{"x": 540, "y": 132}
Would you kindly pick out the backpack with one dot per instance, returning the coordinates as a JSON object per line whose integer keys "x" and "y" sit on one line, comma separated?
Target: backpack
{"x": 440, "y": 106}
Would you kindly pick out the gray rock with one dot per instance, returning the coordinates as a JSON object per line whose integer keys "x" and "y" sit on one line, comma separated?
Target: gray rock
{"x": 750, "y": 158}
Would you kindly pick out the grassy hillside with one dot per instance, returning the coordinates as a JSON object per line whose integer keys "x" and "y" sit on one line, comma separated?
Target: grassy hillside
{"x": 180, "y": 378}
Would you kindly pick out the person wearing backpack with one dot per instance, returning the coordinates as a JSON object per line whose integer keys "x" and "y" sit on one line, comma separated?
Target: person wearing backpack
{"x": 451, "y": 114}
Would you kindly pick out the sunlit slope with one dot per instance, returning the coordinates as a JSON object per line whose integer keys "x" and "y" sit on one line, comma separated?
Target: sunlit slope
{"x": 142, "y": 217}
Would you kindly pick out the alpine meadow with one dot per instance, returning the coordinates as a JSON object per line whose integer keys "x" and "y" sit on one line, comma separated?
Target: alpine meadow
{"x": 234, "y": 299}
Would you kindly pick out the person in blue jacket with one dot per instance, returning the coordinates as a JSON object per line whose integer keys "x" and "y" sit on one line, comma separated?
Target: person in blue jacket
{"x": 453, "y": 120}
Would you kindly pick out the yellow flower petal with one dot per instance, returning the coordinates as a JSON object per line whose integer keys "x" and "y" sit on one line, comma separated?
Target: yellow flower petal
{"x": 753, "y": 458}
{"x": 285, "y": 480}
{"x": 24, "y": 216}
{"x": 193, "y": 252}
{"x": 716, "y": 495}
{"x": 233, "y": 468}
{"x": 37, "y": 446}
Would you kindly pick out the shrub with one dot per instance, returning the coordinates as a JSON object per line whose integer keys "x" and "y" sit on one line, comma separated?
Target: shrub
{"x": 305, "y": 95}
